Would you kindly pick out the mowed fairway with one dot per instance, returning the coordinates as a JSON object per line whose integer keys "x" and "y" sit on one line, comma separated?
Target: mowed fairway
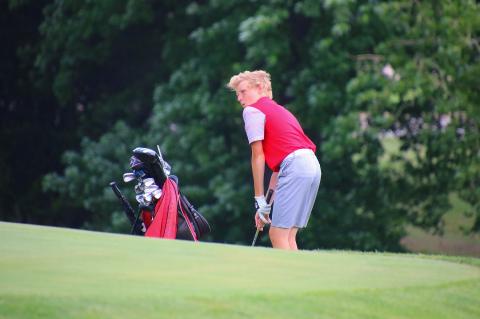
{"x": 62, "y": 273}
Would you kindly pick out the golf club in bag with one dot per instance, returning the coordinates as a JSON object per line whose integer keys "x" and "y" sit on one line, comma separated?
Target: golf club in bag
{"x": 163, "y": 211}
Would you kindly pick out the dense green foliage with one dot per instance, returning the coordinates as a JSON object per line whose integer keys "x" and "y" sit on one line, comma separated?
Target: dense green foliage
{"x": 136, "y": 72}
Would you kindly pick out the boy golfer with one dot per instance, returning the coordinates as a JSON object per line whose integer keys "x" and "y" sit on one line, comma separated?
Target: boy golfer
{"x": 277, "y": 139}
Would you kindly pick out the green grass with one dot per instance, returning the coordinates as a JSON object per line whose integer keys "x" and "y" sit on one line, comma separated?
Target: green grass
{"x": 62, "y": 273}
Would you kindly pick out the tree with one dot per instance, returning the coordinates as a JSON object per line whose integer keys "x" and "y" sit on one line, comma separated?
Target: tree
{"x": 34, "y": 130}
{"x": 332, "y": 62}
{"x": 100, "y": 60}
{"x": 428, "y": 61}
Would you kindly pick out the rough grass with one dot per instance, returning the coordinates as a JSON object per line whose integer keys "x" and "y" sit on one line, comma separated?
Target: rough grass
{"x": 61, "y": 273}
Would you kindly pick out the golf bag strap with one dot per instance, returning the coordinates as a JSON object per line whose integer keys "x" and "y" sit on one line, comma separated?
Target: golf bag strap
{"x": 187, "y": 220}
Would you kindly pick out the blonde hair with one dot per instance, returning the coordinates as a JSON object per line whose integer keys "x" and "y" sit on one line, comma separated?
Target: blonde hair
{"x": 258, "y": 77}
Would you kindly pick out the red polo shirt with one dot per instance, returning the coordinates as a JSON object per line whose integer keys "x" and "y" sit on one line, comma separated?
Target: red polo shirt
{"x": 282, "y": 133}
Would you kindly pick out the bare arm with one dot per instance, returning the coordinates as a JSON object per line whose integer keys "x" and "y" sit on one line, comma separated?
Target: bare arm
{"x": 258, "y": 167}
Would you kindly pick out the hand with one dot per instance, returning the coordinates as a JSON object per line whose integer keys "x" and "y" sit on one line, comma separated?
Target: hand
{"x": 258, "y": 222}
{"x": 263, "y": 209}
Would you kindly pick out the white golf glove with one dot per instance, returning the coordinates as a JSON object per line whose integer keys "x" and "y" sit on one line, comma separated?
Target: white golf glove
{"x": 263, "y": 208}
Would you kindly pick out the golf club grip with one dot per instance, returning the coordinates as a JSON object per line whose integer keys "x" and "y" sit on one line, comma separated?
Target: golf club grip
{"x": 269, "y": 195}
{"x": 126, "y": 205}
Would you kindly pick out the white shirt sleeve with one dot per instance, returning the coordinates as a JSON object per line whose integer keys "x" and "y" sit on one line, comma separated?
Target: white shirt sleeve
{"x": 254, "y": 124}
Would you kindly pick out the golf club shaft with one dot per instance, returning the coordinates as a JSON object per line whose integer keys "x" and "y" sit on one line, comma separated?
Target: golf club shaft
{"x": 126, "y": 205}
{"x": 269, "y": 198}
{"x": 255, "y": 237}
{"x": 134, "y": 225}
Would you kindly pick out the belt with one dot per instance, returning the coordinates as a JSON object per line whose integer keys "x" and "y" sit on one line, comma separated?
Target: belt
{"x": 301, "y": 151}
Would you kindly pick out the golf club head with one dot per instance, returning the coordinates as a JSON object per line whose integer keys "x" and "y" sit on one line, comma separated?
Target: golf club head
{"x": 157, "y": 193}
{"x": 135, "y": 163}
{"x": 149, "y": 181}
{"x": 139, "y": 188}
{"x": 150, "y": 189}
{"x": 147, "y": 198}
{"x": 140, "y": 173}
{"x": 128, "y": 177}
{"x": 152, "y": 165}
{"x": 139, "y": 199}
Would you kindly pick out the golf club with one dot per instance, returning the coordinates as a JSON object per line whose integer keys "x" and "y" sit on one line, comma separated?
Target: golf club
{"x": 269, "y": 197}
{"x": 128, "y": 177}
{"x": 150, "y": 189}
{"x": 149, "y": 181}
{"x": 127, "y": 208}
{"x": 157, "y": 193}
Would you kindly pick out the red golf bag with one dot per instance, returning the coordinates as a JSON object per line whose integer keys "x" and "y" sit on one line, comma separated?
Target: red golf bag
{"x": 163, "y": 211}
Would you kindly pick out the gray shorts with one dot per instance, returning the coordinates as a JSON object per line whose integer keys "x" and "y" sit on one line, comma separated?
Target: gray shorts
{"x": 297, "y": 187}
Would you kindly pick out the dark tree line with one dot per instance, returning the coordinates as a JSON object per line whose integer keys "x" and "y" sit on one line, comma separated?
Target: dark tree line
{"x": 84, "y": 82}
